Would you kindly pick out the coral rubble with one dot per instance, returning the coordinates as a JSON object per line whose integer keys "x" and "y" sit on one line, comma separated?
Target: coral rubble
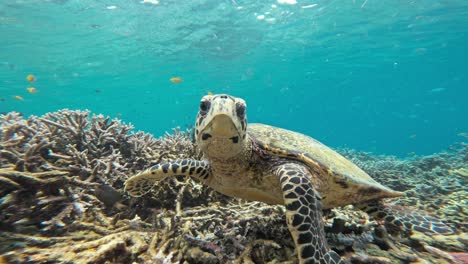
{"x": 61, "y": 201}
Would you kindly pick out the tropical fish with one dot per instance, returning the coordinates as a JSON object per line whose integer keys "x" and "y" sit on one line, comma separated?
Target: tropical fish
{"x": 287, "y": 2}
{"x": 31, "y": 78}
{"x": 437, "y": 90}
{"x": 210, "y": 93}
{"x": 176, "y": 80}
{"x": 19, "y": 98}
{"x": 31, "y": 89}
{"x": 412, "y": 136}
{"x": 109, "y": 196}
{"x": 154, "y": 2}
{"x": 309, "y": 6}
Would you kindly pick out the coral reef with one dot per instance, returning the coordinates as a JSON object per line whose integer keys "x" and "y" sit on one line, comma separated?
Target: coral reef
{"x": 433, "y": 183}
{"x": 61, "y": 201}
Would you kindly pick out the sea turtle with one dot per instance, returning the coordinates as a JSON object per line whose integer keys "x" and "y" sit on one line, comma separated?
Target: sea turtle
{"x": 277, "y": 166}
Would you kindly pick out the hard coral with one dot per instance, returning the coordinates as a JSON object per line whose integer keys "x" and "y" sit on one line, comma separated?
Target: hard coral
{"x": 51, "y": 166}
{"x": 59, "y": 171}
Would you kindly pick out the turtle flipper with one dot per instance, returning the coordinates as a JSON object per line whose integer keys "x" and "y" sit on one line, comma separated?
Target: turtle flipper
{"x": 304, "y": 216}
{"x": 409, "y": 220}
{"x": 143, "y": 182}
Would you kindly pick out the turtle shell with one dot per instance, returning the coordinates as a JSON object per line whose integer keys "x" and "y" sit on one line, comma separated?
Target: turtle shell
{"x": 338, "y": 180}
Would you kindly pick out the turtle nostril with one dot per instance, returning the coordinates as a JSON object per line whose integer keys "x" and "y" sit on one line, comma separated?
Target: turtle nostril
{"x": 223, "y": 96}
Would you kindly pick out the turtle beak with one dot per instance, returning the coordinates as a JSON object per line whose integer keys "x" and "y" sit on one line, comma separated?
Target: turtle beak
{"x": 222, "y": 119}
{"x": 220, "y": 138}
{"x": 222, "y": 126}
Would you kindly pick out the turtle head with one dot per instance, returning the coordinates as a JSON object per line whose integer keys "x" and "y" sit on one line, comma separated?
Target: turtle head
{"x": 221, "y": 126}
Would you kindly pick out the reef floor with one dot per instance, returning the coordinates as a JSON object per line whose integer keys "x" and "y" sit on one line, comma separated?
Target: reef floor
{"x": 62, "y": 201}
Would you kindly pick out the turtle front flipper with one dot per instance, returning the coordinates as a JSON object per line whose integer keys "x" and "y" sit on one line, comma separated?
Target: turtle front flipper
{"x": 304, "y": 215}
{"x": 402, "y": 218}
{"x": 143, "y": 182}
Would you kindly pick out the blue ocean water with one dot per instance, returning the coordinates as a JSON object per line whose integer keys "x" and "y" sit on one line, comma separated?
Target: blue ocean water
{"x": 385, "y": 76}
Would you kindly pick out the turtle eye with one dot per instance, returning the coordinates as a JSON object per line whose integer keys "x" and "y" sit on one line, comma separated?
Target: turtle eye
{"x": 240, "y": 110}
{"x": 204, "y": 107}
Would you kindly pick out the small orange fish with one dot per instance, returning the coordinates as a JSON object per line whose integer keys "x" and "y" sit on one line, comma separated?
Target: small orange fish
{"x": 31, "y": 78}
{"x": 176, "y": 80}
{"x": 31, "y": 89}
{"x": 412, "y": 136}
{"x": 19, "y": 98}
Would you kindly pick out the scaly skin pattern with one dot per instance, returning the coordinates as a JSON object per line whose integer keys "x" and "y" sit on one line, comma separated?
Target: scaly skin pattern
{"x": 304, "y": 215}
{"x": 143, "y": 182}
{"x": 275, "y": 166}
{"x": 409, "y": 220}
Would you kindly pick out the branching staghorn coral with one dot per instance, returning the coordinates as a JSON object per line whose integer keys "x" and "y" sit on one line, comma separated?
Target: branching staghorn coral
{"x": 57, "y": 162}
{"x": 430, "y": 182}
{"x": 87, "y": 145}
{"x": 59, "y": 171}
